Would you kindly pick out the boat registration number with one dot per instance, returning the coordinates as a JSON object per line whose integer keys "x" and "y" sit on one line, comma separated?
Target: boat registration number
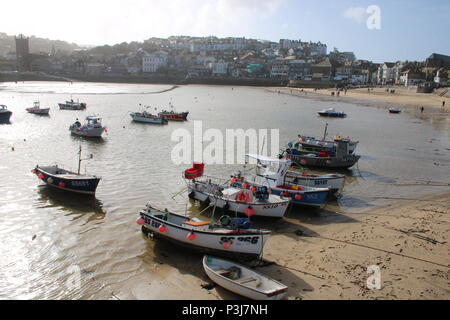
{"x": 252, "y": 240}
{"x": 320, "y": 182}
{"x": 80, "y": 183}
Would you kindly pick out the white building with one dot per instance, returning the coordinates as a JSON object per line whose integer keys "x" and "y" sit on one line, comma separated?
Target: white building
{"x": 152, "y": 62}
{"x": 219, "y": 68}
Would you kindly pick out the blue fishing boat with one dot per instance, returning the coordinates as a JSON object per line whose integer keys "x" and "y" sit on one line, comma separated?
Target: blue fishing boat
{"x": 272, "y": 174}
{"x": 5, "y": 114}
{"x": 332, "y": 113}
{"x": 59, "y": 178}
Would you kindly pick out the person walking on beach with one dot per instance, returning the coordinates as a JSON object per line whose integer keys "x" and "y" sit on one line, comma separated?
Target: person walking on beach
{"x": 421, "y": 109}
{"x": 443, "y": 104}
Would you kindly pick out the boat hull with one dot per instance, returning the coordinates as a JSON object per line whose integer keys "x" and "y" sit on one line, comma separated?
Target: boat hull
{"x": 241, "y": 243}
{"x": 63, "y": 106}
{"x": 87, "y": 132}
{"x": 43, "y": 112}
{"x": 81, "y": 185}
{"x": 271, "y": 210}
{"x": 333, "y": 182}
{"x": 5, "y": 116}
{"x": 326, "y": 162}
{"x": 332, "y": 115}
{"x": 316, "y": 199}
{"x": 243, "y": 290}
{"x": 151, "y": 120}
{"x": 174, "y": 116}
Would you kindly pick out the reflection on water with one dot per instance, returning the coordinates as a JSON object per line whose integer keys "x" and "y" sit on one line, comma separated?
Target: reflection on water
{"x": 45, "y": 232}
{"x": 78, "y": 203}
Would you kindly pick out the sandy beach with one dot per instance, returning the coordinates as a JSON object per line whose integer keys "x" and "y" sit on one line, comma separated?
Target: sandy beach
{"x": 408, "y": 242}
{"x": 405, "y": 98}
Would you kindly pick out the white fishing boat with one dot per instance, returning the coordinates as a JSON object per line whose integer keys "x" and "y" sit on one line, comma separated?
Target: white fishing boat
{"x": 242, "y": 280}
{"x": 203, "y": 235}
{"x": 254, "y": 202}
{"x": 251, "y": 202}
{"x": 36, "y": 109}
{"x": 92, "y": 128}
{"x": 72, "y": 105}
{"x": 146, "y": 117}
{"x": 272, "y": 173}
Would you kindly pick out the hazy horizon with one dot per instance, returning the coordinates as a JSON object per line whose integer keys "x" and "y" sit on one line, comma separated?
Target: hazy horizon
{"x": 410, "y": 30}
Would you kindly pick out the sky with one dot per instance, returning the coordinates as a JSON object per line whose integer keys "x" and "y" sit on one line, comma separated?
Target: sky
{"x": 398, "y": 29}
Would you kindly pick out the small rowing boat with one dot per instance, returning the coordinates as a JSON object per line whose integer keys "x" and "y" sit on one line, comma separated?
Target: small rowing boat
{"x": 242, "y": 280}
{"x": 395, "y": 110}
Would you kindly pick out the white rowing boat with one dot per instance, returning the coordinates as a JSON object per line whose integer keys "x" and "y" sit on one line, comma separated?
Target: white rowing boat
{"x": 242, "y": 280}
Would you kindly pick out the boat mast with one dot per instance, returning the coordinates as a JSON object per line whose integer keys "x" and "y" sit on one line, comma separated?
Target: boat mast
{"x": 79, "y": 160}
{"x": 325, "y": 132}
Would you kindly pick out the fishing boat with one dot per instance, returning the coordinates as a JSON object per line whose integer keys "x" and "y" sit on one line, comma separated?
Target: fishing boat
{"x": 72, "y": 105}
{"x": 315, "y": 144}
{"x": 395, "y": 110}
{"x": 36, "y": 109}
{"x": 242, "y": 280}
{"x": 337, "y": 157}
{"x": 254, "y": 202}
{"x": 273, "y": 174}
{"x": 59, "y": 178}
{"x": 146, "y": 117}
{"x": 92, "y": 128}
{"x": 5, "y": 114}
{"x": 311, "y": 152}
{"x": 173, "y": 115}
{"x": 220, "y": 238}
{"x": 331, "y": 112}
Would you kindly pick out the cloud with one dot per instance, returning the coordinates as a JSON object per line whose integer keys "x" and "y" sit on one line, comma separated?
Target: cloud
{"x": 357, "y": 14}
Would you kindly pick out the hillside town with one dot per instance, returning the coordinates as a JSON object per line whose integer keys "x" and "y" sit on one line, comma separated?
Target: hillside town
{"x": 185, "y": 57}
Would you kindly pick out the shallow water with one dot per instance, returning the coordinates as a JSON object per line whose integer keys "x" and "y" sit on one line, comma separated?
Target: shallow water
{"x": 46, "y": 235}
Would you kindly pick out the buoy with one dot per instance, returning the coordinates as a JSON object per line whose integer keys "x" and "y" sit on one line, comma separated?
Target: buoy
{"x": 162, "y": 229}
{"x": 41, "y": 176}
{"x": 191, "y": 236}
{"x": 249, "y": 211}
{"x": 233, "y": 180}
{"x": 298, "y": 197}
{"x": 252, "y": 188}
{"x": 62, "y": 184}
{"x": 244, "y": 186}
{"x": 12, "y": 148}
{"x": 226, "y": 245}
{"x": 140, "y": 221}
